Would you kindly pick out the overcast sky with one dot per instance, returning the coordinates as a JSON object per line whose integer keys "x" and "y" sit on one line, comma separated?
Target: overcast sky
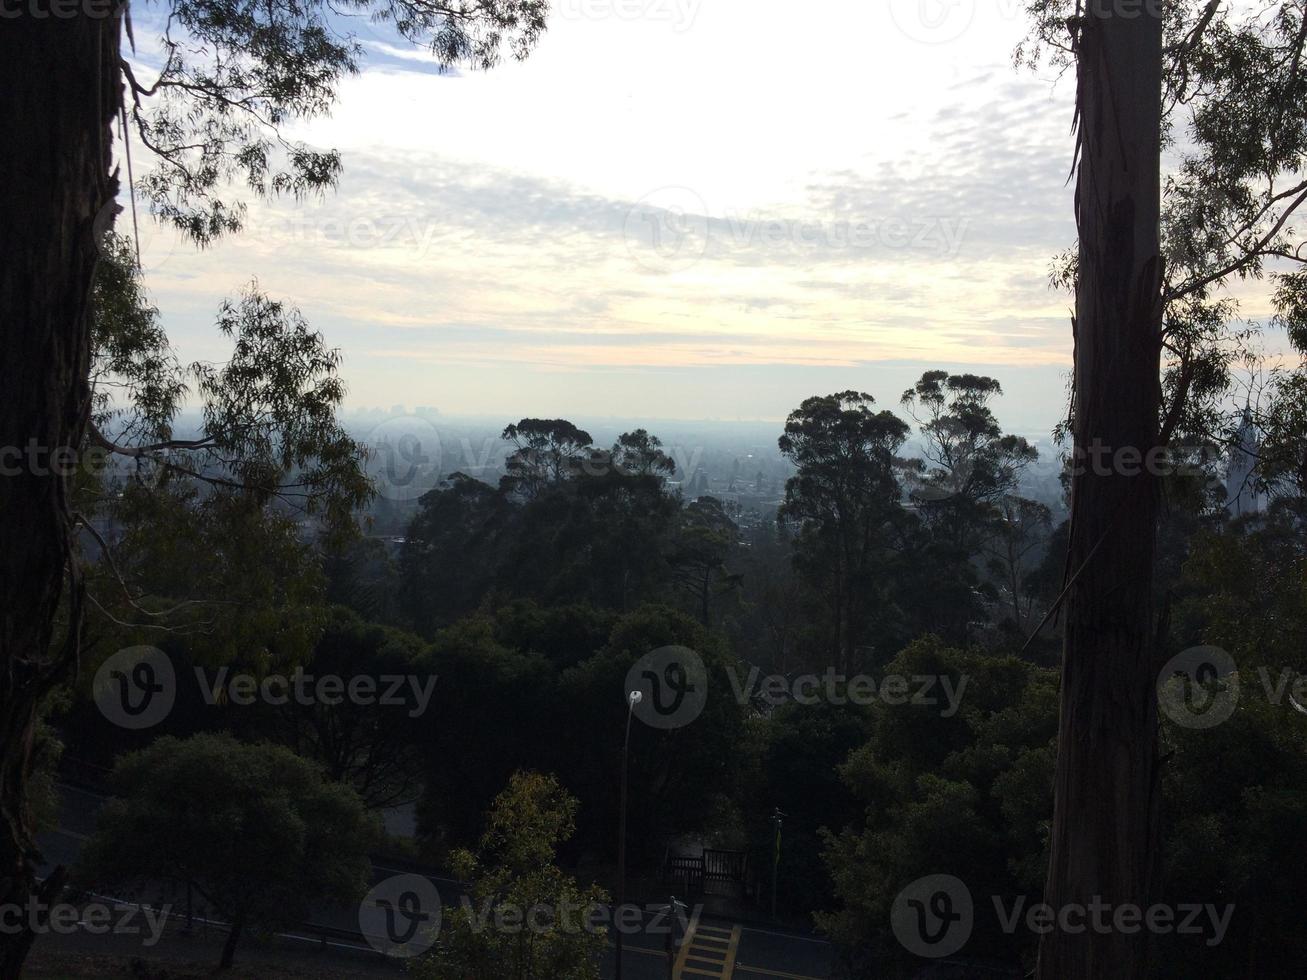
{"x": 678, "y": 209}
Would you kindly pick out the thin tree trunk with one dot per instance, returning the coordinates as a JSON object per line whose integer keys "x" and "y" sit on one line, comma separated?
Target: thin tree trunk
{"x": 1105, "y": 815}
{"x": 706, "y": 598}
{"x": 60, "y": 82}
{"x": 1015, "y": 584}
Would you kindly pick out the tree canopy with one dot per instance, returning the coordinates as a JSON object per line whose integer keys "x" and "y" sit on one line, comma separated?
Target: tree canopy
{"x": 254, "y": 829}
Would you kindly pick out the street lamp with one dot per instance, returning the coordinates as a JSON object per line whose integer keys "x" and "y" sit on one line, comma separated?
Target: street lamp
{"x": 632, "y": 699}
{"x": 671, "y": 910}
{"x": 777, "y": 818}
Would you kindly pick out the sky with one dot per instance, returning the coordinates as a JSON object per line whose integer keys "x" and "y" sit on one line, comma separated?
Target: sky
{"x": 676, "y": 209}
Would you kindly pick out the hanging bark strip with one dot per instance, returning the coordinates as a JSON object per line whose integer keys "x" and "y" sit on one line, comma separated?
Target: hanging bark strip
{"x": 1105, "y": 816}
{"x": 61, "y": 90}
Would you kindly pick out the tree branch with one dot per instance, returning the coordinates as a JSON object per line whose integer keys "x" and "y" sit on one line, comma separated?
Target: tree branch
{"x": 1256, "y": 251}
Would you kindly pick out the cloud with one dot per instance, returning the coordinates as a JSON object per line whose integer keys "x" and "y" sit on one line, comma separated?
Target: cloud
{"x": 614, "y": 205}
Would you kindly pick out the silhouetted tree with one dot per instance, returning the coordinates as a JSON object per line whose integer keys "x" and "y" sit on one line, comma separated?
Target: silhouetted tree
{"x": 704, "y": 543}
{"x": 969, "y": 461}
{"x": 545, "y": 453}
{"x": 1231, "y": 96}
{"x": 640, "y": 454}
{"x": 843, "y": 499}
{"x": 1018, "y": 539}
{"x": 234, "y": 73}
{"x": 1104, "y": 830}
{"x": 254, "y": 829}
{"x": 372, "y": 747}
{"x": 452, "y": 551}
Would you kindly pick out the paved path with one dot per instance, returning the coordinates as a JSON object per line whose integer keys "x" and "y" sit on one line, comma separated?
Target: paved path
{"x": 722, "y": 950}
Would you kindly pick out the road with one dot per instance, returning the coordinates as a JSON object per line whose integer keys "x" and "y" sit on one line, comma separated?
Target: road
{"x": 711, "y": 948}
{"x": 724, "y": 950}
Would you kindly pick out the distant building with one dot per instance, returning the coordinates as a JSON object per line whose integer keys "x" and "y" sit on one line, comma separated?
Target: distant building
{"x": 698, "y": 484}
{"x": 1241, "y": 494}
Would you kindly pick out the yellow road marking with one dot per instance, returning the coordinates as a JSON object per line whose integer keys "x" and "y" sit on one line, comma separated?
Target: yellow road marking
{"x": 728, "y": 970}
{"x": 646, "y": 951}
{"x": 707, "y": 951}
{"x": 678, "y": 969}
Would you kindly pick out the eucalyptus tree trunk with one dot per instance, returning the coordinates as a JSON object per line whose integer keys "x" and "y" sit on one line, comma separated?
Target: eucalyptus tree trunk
{"x": 59, "y": 91}
{"x": 1105, "y": 815}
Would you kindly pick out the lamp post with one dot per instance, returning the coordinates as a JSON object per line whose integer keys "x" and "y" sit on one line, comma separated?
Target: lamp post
{"x": 632, "y": 699}
{"x": 777, "y": 818}
{"x": 673, "y": 907}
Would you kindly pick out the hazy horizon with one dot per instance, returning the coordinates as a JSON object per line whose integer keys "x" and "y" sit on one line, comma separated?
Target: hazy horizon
{"x": 648, "y": 213}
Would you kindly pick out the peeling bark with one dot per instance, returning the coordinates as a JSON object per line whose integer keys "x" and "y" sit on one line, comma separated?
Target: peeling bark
{"x": 1105, "y": 814}
{"x": 61, "y": 90}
